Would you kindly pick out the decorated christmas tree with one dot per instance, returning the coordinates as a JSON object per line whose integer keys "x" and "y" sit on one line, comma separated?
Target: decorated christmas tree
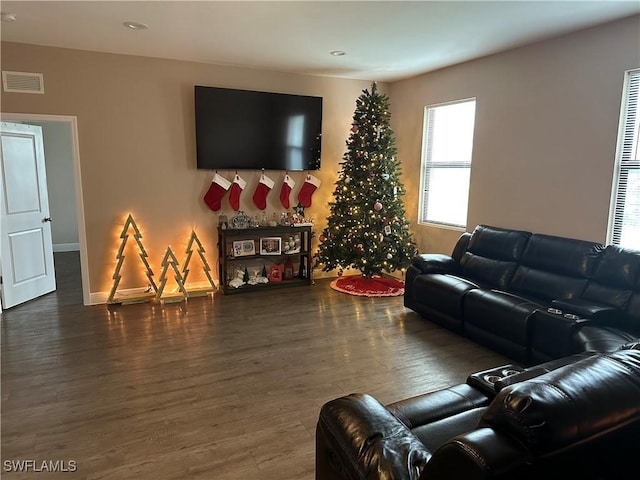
{"x": 367, "y": 229}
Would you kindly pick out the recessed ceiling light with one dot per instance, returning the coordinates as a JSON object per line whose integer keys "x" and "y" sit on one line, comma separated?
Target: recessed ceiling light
{"x": 8, "y": 17}
{"x": 338, "y": 53}
{"x": 136, "y": 25}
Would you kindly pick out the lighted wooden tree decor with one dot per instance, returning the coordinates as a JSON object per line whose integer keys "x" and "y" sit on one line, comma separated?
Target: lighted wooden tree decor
{"x": 170, "y": 261}
{"x": 197, "y": 291}
{"x": 142, "y": 253}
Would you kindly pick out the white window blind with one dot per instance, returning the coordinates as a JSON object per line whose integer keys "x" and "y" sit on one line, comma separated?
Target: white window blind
{"x": 624, "y": 219}
{"x": 446, "y": 162}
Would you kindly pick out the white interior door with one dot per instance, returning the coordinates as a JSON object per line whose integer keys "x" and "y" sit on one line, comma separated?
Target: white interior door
{"x": 26, "y": 249}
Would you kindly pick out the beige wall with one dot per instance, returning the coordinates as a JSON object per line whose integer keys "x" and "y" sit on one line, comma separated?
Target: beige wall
{"x": 546, "y": 126}
{"x": 545, "y": 137}
{"x": 137, "y": 152}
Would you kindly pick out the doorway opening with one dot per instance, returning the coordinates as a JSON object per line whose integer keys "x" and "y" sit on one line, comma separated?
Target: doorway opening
{"x": 66, "y": 129}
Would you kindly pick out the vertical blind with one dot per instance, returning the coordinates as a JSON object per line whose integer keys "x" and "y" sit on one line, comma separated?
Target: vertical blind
{"x": 624, "y": 222}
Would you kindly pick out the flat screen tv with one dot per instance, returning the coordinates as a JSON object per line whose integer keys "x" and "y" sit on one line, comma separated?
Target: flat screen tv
{"x": 243, "y": 129}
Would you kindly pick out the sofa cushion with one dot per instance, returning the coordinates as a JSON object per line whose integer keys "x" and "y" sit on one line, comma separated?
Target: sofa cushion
{"x": 492, "y": 254}
{"x": 442, "y": 293}
{"x": 434, "y": 435}
{"x": 565, "y": 256}
{"x": 570, "y": 405}
{"x": 433, "y": 406}
{"x": 492, "y": 272}
{"x": 597, "y": 293}
{"x": 618, "y": 267}
{"x": 546, "y": 286}
{"x": 614, "y": 277}
{"x": 435, "y": 417}
{"x": 500, "y": 313}
{"x": 498, "y": 243}
{"x": 555, "y": 267}
{"x": 595, "y": 338}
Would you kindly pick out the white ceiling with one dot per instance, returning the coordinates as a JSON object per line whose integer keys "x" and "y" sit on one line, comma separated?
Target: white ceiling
{"x": 385, "y": 40}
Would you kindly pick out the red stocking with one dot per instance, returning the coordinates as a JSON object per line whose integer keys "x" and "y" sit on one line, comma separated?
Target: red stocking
{"x": 236, "y": 189}
{"x": 287, "y": 184}
{"x": 262, "y": 190}
{"x": 309, "y": 186}
{"x": 217, "y": 189}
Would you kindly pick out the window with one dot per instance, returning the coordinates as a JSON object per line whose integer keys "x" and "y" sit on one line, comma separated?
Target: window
{"x": 446, "y": 162}
{"x": 624, "y": 219}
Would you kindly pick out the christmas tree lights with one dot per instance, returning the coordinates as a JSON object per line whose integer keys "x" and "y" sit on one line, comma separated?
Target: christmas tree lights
{"x": 180, "y": 293}
{"x": 367, "y": 229}
{"x": 206, "y": 269}
{"x": 142, "y": 253}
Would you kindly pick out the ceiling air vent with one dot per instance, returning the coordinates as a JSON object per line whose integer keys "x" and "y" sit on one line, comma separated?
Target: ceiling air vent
{"x": 22, "y": 82}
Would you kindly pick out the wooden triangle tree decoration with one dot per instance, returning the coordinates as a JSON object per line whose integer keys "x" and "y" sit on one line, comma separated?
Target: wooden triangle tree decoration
{"x": 142, "y": 253}
{"x": 195, "y": 291}
{"x": 170, "y": 261}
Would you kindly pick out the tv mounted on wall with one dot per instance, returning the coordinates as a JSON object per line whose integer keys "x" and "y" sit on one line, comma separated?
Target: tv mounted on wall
{"x": 243, "y": 129}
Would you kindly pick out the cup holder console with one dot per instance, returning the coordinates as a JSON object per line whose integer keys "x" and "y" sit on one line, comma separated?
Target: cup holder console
{"x": 493, "y": 377}
{"x": 488, "y": 381}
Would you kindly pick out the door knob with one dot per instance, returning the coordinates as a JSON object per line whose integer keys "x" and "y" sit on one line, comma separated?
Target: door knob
{"x": 47, "y": 219}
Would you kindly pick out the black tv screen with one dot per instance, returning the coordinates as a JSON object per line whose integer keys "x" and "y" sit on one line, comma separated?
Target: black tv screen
{"x": 243, "y": 129}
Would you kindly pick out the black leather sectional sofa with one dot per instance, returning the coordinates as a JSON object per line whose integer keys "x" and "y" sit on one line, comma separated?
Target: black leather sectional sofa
{"x": 578, "y": 417}
{"x": 569, "y": 307}
{"x": 530, "y": 296}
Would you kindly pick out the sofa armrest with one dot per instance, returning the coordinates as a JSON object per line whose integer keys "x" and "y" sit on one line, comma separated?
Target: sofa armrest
{"x": 461, "y": 246}
{"x": 365, "y": 441}
{"x": 553, "y": 333}
{"x": 435, "y": 263}
{"x": 588, "y": 309}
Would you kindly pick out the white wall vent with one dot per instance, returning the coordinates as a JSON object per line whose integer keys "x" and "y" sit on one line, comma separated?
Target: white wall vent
{"x": 22, "y": 82}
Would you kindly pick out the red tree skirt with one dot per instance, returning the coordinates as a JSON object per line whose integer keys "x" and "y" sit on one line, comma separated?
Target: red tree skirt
{"x": 369, "y": 287}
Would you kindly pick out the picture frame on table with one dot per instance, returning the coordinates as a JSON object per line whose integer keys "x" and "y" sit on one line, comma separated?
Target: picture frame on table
{"x": 270, "y": 246}
{"x": 243, "y": 248}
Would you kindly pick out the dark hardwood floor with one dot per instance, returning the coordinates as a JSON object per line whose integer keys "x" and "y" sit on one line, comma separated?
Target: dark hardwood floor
{"x": 227, "y": 387}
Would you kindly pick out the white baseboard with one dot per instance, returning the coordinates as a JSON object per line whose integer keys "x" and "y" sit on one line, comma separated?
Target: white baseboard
{"x": 66, "y": 247}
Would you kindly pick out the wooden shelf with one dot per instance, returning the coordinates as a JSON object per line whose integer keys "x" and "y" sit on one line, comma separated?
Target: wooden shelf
{"x": 229, "y": 263}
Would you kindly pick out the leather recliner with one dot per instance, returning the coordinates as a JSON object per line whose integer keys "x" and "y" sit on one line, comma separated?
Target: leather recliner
{"x": 574, "y": 418}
